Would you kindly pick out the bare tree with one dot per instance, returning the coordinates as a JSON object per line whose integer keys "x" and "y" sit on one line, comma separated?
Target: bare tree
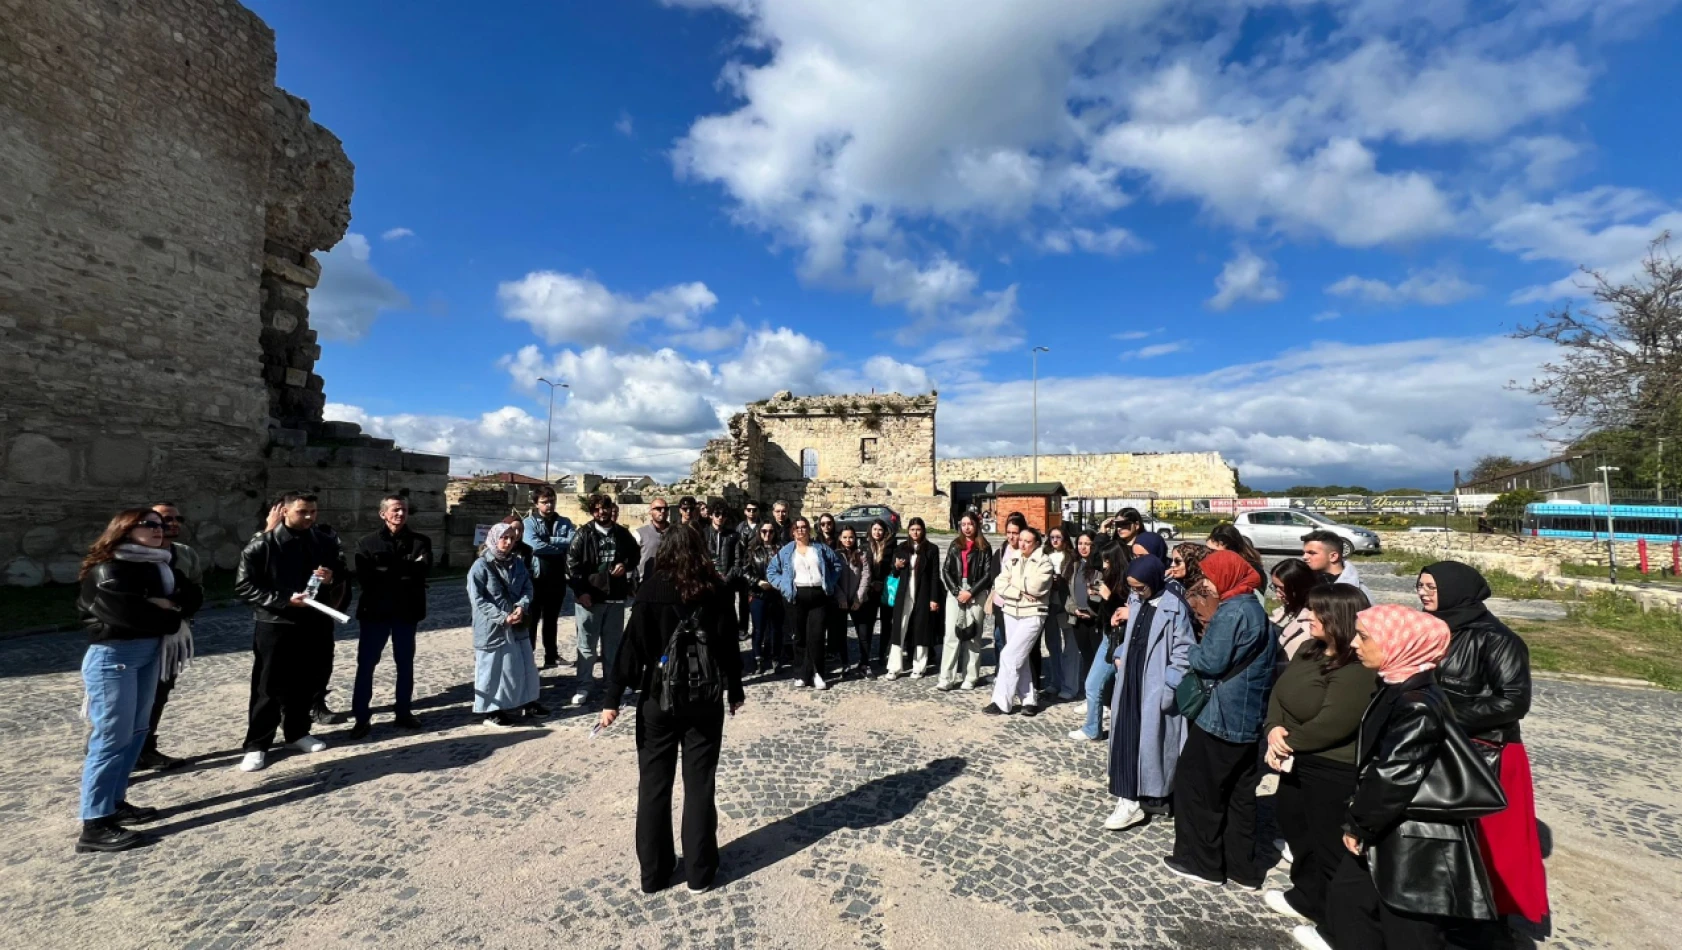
{"x": 1620, "y": 365}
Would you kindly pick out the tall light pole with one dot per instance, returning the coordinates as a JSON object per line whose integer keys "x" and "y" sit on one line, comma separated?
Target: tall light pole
{"x": 1611, "y": 533}
{"x": 549, "y": 436}
{"x": 1036, "y": 357}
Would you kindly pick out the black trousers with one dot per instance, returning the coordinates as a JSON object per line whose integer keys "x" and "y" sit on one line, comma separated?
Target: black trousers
{"x": 549, "y": 594}
{"x": 1356, "y": 919}
{"x": 292, "y": 663}
{"x": 864, "y": 625}
{"x": 1215, "y": 807}
{"x": 743, "y": 613}
{"x": 1087, "y": 637}
{"x": 697, "y": 733}
{"x": 835, "y": 634}
{"x": 809, "y": 618}
{"x": 159, "y": 701}
{"x": 1310, "y": 805}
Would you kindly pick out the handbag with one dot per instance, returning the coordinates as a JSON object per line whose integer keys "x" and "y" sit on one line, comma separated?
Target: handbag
{"x": 1460, "y": 785}
{"x": 968, "y": 626}
{"x": 1194, "y": 691}
{"x": 890, "y": 591}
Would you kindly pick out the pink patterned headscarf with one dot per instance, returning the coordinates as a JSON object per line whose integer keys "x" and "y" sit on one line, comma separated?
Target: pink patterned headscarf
{"x": 1413, "y": 641}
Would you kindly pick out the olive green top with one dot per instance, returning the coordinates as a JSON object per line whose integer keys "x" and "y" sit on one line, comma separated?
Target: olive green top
{"x": 1321, "y": 711}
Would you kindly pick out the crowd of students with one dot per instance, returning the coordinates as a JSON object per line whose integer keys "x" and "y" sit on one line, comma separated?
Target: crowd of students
{"x": 1404, "y": 795}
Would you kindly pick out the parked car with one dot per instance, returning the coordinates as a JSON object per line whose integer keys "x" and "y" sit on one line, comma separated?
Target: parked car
{"x": 1281, "y": 529}
{"x": 860, "y": 517}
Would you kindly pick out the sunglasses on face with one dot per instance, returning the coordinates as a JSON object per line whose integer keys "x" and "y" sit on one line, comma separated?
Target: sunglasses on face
{"x": 657, "y": 508}
{"x": 169, "y": 520}
{"x": 1176, "y": 560}
{"x": 154, "y": 525}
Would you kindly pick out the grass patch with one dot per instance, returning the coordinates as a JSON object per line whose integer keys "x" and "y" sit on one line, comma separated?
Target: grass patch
{"x": 1608, "y": 634}
{"x": 1501, "y": 583}
{"x": 1627, "y": 573}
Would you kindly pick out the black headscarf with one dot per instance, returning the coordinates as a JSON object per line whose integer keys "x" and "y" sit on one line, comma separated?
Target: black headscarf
{"x": 1461, "y": 591}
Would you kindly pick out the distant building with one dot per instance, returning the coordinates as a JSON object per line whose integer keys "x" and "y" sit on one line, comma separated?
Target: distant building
{"x": 582, "y": 483}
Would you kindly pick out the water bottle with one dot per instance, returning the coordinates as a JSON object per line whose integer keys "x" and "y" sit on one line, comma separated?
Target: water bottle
{"x": 313, "y": 587}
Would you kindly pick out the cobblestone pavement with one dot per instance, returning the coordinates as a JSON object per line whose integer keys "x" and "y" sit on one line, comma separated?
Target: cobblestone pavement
{"x": 878, "y": 814}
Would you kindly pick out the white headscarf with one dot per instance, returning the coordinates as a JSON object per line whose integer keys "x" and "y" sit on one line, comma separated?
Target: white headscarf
{"x": 493, "y": 536}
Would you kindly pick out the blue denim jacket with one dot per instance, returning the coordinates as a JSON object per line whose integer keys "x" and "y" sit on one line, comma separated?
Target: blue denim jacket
{"x": 492, "y": 595}
{"x": 780, "y": 572}
{"x": 549, "y": 550}
{"x": 1238, "y": 634}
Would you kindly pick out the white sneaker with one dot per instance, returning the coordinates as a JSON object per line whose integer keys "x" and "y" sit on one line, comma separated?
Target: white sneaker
{"x": 1276, "y": 902}
{"x": 1080, "y": 736}
{"x": 916, "y": 674}
{"x": 1126, "y": 815}
{"x": 967, "y": 684}
{"x": 818, "y": 683}
{"x": 307, "y": 744}
{"x": 577, "y": 699}
{"x": 1308, "y": 937}
{"x": 1284, "y": 850}
{"x": 253, "y": 761}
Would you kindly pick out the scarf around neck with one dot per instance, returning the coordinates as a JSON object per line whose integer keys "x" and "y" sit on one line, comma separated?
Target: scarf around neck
{"x": 129, "y": 551}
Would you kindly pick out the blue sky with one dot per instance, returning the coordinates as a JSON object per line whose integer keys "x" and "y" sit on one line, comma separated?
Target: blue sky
{"x": 1293, "y": 232}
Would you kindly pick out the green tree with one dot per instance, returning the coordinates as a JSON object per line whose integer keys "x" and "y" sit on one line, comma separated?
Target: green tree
{"x": 1490, "y": 465}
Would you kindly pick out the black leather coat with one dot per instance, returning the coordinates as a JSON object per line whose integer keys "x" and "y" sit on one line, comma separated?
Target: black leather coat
{"x": 982, "y": 571}
{"x": 1419, "y": 867}
{"x": 114, "y": 605}
{"x": 277, "y": 564}
{"x": 1486, "y": 676}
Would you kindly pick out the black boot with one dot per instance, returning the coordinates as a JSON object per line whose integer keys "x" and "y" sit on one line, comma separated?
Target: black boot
{"x": 104, "y": 834}
{"x": 322, "y": 716}
{"x": 127, "y": 814}
{"x": 153, "y": 760}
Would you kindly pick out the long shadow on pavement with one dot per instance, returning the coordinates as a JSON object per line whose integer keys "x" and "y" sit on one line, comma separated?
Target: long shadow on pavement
{"x": 877, "y": 802}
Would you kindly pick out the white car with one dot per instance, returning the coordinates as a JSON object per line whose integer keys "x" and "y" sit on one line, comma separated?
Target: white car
{"x": 1168, "y": 531}
{"x": 1281, "y": 529}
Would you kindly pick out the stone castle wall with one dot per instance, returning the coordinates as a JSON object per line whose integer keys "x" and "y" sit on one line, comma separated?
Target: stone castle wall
{"x": 1522, "y": 555}
{"x": 1169, "y": 475}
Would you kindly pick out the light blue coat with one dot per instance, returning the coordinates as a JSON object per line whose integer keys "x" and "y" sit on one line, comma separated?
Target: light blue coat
{"x": 780, "y": 572}
{"x": 493, "y": 592}
{"x": 549, "y": 550}
{"x": 1162, "y": 730}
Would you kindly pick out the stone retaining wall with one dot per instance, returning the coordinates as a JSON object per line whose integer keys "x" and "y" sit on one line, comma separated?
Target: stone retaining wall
{"x": 1176, "y": 474}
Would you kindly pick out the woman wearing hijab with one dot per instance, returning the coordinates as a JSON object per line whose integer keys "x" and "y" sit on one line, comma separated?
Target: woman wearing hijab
{"x": 1215, "y": 791}
{"x": 1145, "y": 733}
{"x": 917, "y": 604}
{"x": 1486, "y": 676}
{"x": 1183, "y": 561}
{"x": 505, "y": 680}
{"x": 1403, "y": 874}
{"x": 134, "y": 606}
{"x": 682, "y": 585}
{"x": 1225, "y": 537}
{"x": 1081, "y": 611}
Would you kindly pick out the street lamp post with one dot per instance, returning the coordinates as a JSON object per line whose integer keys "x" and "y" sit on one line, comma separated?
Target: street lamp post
{"x": 1036, "y": 357}
{"x": 1611, "y": 532}
{"x": 549, "y": 434}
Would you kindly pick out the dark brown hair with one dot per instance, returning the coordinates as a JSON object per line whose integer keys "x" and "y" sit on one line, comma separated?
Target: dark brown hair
{"x": 683, "y": 559}
{"x": 105, "y": 548}
{"x": 1295, "y": 579}
{"x": 1335, "y": 606}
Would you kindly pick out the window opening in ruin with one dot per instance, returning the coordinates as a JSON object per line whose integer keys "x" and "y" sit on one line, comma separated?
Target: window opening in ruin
{"x": 808, "y": 463}
{"x": 867, "y": 450}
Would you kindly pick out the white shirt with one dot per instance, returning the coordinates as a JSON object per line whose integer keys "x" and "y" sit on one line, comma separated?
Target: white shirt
{"x": 808, "y": 572}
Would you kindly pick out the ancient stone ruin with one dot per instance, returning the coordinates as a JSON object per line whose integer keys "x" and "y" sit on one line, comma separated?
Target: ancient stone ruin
{"x": 160, "y": 205}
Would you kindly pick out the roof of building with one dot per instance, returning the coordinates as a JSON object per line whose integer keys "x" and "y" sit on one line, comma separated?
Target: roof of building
{"x": 1031, "y": 488}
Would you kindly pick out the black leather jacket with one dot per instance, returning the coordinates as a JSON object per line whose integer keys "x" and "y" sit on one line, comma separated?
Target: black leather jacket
{"x": 113, "y": 602}
{"x": 982, "y": 571}
{"x": 1486, "y": 676}
{"x": 1420, "y": 867}
{"x": 725, "y": 548}
{"x": 584, "y": 557}
{"x": 270, "y": 572}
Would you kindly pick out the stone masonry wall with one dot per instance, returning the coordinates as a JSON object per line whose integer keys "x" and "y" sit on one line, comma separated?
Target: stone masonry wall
{"x": 1177, "y": 474}
{"x": 134, "y": 155}
{"x": 1521, "y": 555}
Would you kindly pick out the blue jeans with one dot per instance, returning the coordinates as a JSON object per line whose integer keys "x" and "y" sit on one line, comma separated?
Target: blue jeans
{"x": 766, "y": 610}
{"x": 370, "y": 645}
{"x": 121, "y": 678}
{"x": 1052, "y": 670}
{"x": 1103, "y": 670}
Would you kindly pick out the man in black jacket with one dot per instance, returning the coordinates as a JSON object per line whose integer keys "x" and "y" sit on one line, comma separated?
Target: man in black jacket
{"x": 724, "y": 545}
{"x": 391, "y": 569}
{"x": 293, "y": 642}
{"x": 601, "y": 567}
{"x": 746, "y": 531}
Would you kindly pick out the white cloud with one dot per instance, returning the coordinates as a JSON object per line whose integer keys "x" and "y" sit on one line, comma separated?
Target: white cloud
{"x": 1248, "y": 276}
{"x": 1326, "y": 315}
{"x": 1278, "y": 416}
{"x": 711, "y": 338}
{"x": 1158, "y": 349}
{"x": 567, "y": 308}
{"x": 1106, "y": 241}
{"x": 625, "y": 125}
{"x": 1605, "y": 229}
{"x": 396, "y": 233}
{"x": 1430, "y": 288}
{"x": 351, "y": 294}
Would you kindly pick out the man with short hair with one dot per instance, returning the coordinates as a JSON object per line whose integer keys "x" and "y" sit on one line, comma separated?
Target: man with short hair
{"x": 686, "y": 512}
{"x": 293, "y": 643}
{"x": 649, "y": 535}
{"x": 747, "y": 530}
{"x": 780, "y": 521}
{"x": 601, "y": 567}
{"x": 1323, "y": 551}
{"x": 549, "y": 535}
{"x": 391, "y": 568}
{"x": 192, "y": 566}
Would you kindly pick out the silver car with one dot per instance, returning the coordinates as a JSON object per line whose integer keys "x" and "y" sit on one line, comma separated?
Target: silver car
{"x": 1281, "y": 529}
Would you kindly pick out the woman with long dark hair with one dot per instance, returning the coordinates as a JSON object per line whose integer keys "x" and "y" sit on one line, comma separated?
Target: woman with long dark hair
{"x": 134, "y": 606}
{"x": 874, "y": 620}
{"x": 917, "y": 603}
{"x": 765, "y": 604}
{"x": 967, "y": 575}
{"x": 849, "y": 594}
{"x": 1293, "y": 579}
{"x": 1048, "y": 675}
{"x": 808, "y": 574}
{"x": 1110, "y": 611}
{"x": 1081, "y": 612}
{"x": 1225, "y": 537}
{"x": 1486, "y": 676}
{"x": 679, "y": 653}
{"x": 1310, "y": 734}
{"x": 1145, "y": 733}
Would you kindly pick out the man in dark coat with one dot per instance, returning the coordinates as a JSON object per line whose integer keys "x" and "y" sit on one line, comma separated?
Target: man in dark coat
{"x": 391, "y": 568}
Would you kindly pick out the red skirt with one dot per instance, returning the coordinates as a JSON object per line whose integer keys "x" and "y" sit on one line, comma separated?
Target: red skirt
{"x": 1512, "y": 848}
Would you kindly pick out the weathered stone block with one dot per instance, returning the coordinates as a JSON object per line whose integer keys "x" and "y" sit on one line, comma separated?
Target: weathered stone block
{"x": 227, "y": 556}
{"x": 64, "y": 568}
{"x": 25, "y": 572}
{"x": 121, "y": 462}
{"x": 289, "y": 438}
{"x": 340, "y": 430}
{"x": 297, "y": 377}
{"x": 37, "y": 460}
{"x": 428, "y": 464}
{"x": 41, "y": 541}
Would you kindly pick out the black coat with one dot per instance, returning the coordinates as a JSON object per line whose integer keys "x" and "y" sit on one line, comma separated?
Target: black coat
{"x": 914, "y": 624}
{"x": 983, "y": 568}
{"x": 277, "y": 564}
{"x": 649, "y": 628}
{"x": 725, "y": 547}
{"x": 881, "y": 568}
{"x": 1420, "y": 867}
{"x": 584, "y": 562}
{"x": 1486, "y": 676}
{"x": 391, "y": 569}
{"x": 113, "y": 602}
